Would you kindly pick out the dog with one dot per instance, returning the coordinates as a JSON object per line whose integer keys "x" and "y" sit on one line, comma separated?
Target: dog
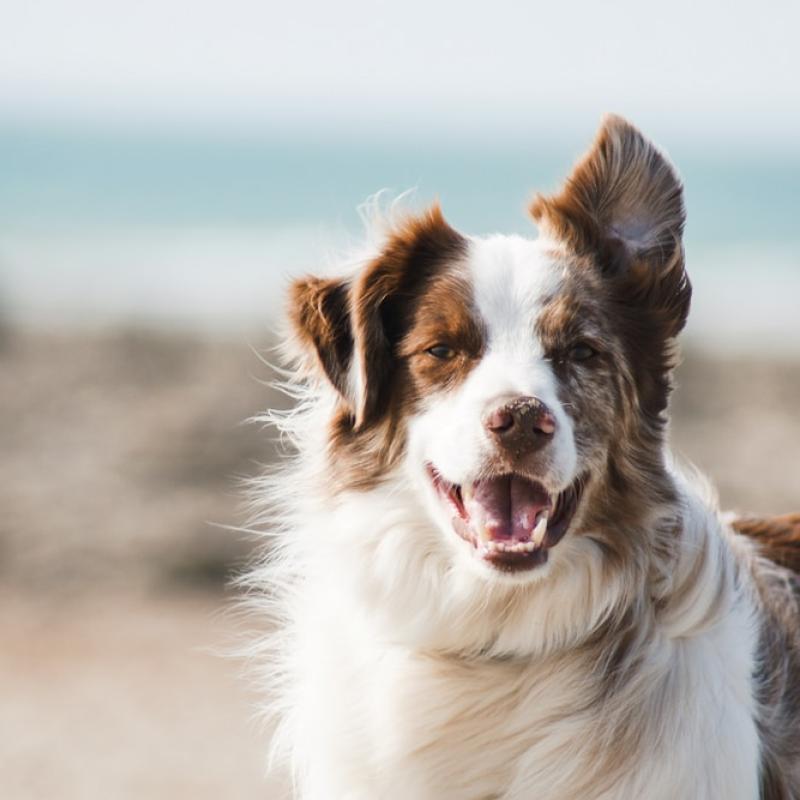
{"x": 488, "y": 579}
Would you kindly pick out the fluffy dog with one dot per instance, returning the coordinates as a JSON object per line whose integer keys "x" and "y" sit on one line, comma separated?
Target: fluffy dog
{"x": 489, "y": 579}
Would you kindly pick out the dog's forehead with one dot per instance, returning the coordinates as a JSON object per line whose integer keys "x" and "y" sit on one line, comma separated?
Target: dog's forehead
{"x": 512, "y": 279}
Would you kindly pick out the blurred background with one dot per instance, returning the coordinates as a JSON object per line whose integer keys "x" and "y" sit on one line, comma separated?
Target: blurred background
{"x": 167, "y": 165}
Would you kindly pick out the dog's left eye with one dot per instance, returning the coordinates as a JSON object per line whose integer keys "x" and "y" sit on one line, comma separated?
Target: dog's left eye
{"x": 581, "y": 352}
{"x": 441, "y": 351}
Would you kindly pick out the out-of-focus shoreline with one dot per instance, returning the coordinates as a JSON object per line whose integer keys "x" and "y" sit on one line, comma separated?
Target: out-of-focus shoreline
{"x": 124, "y": 449}
{"x": 124, "y": 453}
{"x": 229, "y": 282}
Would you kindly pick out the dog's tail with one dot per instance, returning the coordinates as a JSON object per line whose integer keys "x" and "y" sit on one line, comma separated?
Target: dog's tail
{"x": 777, "y": 537}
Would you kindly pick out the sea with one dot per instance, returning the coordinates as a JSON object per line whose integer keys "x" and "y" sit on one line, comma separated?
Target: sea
{"x": 202, "y": 230}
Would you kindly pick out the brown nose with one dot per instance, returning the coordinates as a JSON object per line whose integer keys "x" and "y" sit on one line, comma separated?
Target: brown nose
{"x": 524, "y": 423}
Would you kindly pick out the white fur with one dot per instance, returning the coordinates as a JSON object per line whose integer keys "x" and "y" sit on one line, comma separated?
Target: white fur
{"x": 399, "y": 670}
{"x": 510, "y": 277}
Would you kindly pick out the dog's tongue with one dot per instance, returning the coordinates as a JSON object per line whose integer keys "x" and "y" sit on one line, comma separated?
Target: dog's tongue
{"x": 505, "y": 508}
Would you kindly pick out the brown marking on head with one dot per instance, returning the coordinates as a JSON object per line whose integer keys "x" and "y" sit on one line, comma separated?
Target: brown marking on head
{"x": 385, "y": 299}
{"x": 621, "y": 215}
{"x": 616, "y": 225}
{"x": 444, "y": 317}
{"x": 379, "y": 328}
{"x": 593, "y": 388}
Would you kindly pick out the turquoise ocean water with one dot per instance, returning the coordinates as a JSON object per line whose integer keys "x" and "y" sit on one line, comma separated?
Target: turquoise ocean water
{"x": 204, "y": 230}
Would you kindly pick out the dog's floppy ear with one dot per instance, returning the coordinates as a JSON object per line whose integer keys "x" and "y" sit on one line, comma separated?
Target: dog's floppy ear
{"x": 623, "y": 206}
{"x": 353, "y": 326}
{"x": 320, "y": 317}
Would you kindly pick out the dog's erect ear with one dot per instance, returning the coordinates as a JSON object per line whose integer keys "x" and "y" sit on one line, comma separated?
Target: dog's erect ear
{"x": 352, "y": 327}
{"x": 623, "y": 206}
{"x": 623, "y": 190}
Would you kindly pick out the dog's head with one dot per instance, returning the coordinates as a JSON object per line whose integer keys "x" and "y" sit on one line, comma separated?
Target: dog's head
{"x": 519, "y": 387}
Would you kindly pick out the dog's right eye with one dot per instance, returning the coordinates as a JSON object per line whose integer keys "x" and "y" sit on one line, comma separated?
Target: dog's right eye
{"x": 441, "y": 351}
{"x": 581, "y": 352}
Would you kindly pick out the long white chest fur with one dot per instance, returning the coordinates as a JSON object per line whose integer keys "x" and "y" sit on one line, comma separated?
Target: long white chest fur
{"x": 374, "y": 720}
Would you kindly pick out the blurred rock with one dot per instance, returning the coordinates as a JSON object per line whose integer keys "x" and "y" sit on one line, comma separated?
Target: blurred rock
{"x": 121, "y": 454}
{"x": 121, "y": 451}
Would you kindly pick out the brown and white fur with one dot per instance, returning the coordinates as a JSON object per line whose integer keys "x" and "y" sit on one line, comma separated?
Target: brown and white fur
{"x": 433, "y": 639}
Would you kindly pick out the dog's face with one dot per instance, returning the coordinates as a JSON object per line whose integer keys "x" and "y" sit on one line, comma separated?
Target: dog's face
{"x": 507, "y": 357}
{"x": 518, "y": 386}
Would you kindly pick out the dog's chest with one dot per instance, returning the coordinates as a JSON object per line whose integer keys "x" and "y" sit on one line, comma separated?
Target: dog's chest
{"x": 378, "y": 721}
{"x": 460, "y": 727}
{"x": 452, "y": 729}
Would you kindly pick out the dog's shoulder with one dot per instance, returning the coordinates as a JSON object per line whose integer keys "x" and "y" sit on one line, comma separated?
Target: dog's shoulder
{"x": 777, "y": 679}
{"x": 777, "y": 538}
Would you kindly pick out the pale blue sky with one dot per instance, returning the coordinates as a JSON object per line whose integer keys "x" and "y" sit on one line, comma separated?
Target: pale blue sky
{"x": 712, "y": 70}
{"x": 174, "y": 138}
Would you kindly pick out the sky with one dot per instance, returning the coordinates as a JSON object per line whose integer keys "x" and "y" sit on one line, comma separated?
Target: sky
{"x": 716, "y": 71}
{"x": 387, "y": 91}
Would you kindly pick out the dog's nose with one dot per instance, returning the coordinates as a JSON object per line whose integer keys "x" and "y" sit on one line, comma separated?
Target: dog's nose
{"x": 523, "y": 423}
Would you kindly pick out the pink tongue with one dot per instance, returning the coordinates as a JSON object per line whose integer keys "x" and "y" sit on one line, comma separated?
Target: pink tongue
{"x": 506, "y": 507}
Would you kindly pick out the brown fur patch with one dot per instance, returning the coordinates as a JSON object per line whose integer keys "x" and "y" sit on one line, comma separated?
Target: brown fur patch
{"x": 385, "y": 297}
{"x": 617, "y": 226}
{"x": 616, "y": 400}
{"x": 409, "y": 299}
{"x": 333, "y": 319}
{"x": 776, "y": 573}
{"x": 622, "y": 194}
{"x": 622, "y": 208}
{"x": 444, "y": 315}
{"x": 778, "y": 538}
{"x": 620, "y": 218}
{"x": 318, "y": 312}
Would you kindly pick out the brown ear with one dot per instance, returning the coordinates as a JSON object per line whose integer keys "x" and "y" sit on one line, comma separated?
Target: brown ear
{"x": 354, "y": 327}
{"x": 320, "y": 316}
{"x": 623, "y": 206}
{"x": 622, "y": 189}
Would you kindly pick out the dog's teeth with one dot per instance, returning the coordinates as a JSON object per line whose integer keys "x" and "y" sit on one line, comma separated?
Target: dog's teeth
{"x": 493, "y": 547}
{"x": 483, "y": 535}
{"x": 540, "y": 530}
{"x": 466, "y": 492}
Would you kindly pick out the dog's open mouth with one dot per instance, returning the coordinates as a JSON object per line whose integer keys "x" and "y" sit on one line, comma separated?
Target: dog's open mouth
{"x": 510, "y": 520}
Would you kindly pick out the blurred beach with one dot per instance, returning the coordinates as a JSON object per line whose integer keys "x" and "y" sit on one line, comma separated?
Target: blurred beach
{"x": 180, "y": 229}
{"x": 165, "y": 169}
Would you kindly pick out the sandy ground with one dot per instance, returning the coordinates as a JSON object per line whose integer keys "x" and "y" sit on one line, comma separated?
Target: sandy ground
{"x": 117, "y": 451}
{"x": 119, "y": 459}
{"x": 124, "y": 696}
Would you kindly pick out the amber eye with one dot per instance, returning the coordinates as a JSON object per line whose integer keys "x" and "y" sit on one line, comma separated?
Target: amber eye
{"x": 441, "y": 351}
{"x": 581, "y": 352}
